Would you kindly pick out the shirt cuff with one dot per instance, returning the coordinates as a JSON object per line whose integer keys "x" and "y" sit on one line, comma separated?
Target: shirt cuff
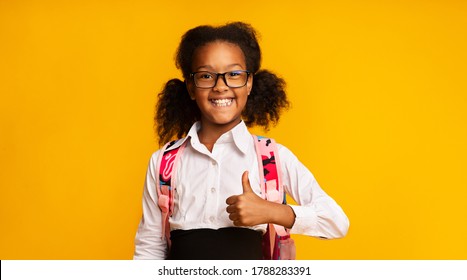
{"x": 305, "y": 220}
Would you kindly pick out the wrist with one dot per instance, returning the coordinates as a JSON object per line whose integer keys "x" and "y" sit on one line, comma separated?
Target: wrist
{"x": 281, "y": 214}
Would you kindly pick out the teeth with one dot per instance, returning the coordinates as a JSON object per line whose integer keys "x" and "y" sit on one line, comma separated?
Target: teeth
{"x": 222, "y": 102}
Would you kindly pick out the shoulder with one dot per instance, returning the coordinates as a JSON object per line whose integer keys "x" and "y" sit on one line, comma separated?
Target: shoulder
{"x": 153, "y": 159}
{"x": 172, "y": 145}
{"x": 285, "y": 154}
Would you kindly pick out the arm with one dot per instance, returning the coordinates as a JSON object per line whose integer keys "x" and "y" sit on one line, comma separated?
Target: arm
{"x": 148, "y": 241}
{"x": 317, "y": 214}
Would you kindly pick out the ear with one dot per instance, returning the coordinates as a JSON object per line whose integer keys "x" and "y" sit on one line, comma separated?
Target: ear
{"x": 249, "y": 84}
{"x": 190, "y": 89}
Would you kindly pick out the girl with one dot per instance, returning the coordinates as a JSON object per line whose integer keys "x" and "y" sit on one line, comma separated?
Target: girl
{"x": 217, "y": 212}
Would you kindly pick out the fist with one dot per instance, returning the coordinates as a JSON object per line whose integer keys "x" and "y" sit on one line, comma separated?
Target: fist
{"x": 247, "y": 209}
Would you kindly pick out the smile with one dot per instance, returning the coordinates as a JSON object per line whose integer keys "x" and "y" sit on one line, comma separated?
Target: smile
{"x": 222, "y": 102}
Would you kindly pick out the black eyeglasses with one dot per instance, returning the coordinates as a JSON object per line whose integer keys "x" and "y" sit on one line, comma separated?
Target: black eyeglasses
{"x": 233, "y": 79}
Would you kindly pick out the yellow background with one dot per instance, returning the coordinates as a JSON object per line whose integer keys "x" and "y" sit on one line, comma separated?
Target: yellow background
{"x": 379, "y": 116}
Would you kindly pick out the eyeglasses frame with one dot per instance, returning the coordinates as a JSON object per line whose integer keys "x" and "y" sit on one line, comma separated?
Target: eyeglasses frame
{"x": 192, "y": 76}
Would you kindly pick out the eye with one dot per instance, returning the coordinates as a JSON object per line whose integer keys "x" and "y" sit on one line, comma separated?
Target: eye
{"x": 235, "y": 74}
{"x": 204, "y": 76}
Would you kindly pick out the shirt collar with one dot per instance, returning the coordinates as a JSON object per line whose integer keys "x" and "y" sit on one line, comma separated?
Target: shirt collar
{"x": 239, "y": 135}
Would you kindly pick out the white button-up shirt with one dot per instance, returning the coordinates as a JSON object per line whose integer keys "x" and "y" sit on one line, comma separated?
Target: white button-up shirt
{"x": 206, "y": 179}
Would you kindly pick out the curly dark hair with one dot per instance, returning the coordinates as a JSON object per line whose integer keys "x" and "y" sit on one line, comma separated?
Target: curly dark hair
{"x": 176, "y": 112}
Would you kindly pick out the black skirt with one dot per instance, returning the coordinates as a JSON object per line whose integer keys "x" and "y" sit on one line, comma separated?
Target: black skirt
{"x": 222, "y": 244}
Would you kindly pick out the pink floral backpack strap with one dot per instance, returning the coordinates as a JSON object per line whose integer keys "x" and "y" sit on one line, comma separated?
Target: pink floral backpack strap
{"x": 165, "y": 183}
{"x": 273, "y": 190}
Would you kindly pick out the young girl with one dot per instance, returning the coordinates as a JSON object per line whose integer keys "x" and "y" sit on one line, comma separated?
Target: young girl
{"x": 218, "y": 213}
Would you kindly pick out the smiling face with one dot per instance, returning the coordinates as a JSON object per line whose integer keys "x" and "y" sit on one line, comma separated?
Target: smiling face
{"x": 221, "y": 106}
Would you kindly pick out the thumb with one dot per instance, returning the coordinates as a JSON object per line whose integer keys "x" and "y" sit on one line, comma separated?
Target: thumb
{"x": 246, "y": 183}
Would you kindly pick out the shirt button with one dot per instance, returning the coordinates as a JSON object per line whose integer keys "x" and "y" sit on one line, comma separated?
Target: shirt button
{"x": 213, "y": 190}
{"x": 211, "y": 219}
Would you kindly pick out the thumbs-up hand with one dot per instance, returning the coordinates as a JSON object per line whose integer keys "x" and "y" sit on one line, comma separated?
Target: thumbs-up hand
{"x": 247, "y": 209}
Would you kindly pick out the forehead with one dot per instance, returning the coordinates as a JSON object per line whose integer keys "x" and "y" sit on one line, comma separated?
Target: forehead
{"x": 218, "y": 55}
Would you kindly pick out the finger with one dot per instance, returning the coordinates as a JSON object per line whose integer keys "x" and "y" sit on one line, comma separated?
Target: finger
{"x": 231, "y": 209}
{"x": 233, "y": 217}
{"x": 246, "y": 183}
{"x": 231, "y": 199}
{"x": 239, "y": 223}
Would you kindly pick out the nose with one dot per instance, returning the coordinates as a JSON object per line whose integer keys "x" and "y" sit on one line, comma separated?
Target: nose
{"x": 220, "y": 85}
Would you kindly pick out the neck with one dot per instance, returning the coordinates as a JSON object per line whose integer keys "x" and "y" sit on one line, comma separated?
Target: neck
{"x": 209, "y": 133}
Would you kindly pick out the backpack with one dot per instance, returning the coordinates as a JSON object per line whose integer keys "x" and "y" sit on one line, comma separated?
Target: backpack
{"x": 277, "y": 243}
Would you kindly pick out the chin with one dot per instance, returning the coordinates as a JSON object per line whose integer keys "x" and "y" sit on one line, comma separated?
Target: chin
{"x": 225, "y": 121}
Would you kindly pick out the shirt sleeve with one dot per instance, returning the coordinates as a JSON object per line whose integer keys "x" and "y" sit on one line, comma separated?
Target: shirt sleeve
{"x": 317, "y": 214}
{"x": 149, "y": 243}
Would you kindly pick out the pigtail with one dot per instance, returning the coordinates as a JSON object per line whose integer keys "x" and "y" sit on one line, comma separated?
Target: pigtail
{"x": 175, "y": 112}
{"x": 266, "y": 101}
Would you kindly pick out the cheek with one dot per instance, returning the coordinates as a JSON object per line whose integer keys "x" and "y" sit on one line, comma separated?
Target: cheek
{"x": 198, "y": 93}
{"x": 243, "y": 98}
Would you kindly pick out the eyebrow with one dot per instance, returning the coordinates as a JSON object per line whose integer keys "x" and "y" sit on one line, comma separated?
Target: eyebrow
{"x": 210, "y": 67}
